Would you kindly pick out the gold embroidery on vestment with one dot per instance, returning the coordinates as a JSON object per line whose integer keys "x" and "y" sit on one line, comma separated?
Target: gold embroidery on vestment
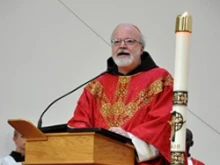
{"x": 117, "y": 112}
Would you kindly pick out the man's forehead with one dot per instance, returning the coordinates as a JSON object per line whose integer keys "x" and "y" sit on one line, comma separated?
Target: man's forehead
{"x": 128, "y": 28}
{"x": 126, "y": 31}
{"x": 136, "y": 28}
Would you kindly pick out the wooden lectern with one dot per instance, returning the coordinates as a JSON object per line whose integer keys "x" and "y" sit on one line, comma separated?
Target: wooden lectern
{"x": 72, "y": 148}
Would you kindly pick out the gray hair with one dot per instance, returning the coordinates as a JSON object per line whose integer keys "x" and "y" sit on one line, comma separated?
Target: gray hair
{"x": 142, "y": 38}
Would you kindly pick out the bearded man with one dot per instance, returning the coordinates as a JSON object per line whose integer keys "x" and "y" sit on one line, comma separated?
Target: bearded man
{"x": 134, "y": 98}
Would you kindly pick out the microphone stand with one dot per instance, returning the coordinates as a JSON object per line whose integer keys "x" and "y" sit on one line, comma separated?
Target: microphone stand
{"x": 39, "y": 125}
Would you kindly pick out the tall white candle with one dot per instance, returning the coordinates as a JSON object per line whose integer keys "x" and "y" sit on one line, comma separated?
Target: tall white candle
{"x": 178, "y": 137}
{"x": 183, "y": 33}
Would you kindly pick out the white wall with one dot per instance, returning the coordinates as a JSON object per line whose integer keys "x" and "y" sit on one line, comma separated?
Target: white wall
{"x": 46, "y": 51}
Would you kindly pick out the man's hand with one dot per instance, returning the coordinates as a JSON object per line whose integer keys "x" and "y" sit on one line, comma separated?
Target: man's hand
{"x": 119, "y": 130}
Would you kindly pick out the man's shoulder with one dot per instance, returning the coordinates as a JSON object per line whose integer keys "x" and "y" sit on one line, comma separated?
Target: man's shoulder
{"x": 8, "y": 160}
{"x": 157, "y": 73}
{"x": 159, "y": 70}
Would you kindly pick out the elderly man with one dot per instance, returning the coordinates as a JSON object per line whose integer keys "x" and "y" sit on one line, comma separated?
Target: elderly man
{"x": 133, "y": 99}
{"x": 17, "y": 156}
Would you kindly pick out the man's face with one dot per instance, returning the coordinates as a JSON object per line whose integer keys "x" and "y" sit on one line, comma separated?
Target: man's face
{"x": 19, "y": 141}
{"x": 126, "y": 46}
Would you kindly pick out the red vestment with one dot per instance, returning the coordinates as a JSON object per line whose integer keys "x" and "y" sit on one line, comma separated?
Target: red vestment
{"x": 197, "y": 162}
{"x": 139, "y": 103}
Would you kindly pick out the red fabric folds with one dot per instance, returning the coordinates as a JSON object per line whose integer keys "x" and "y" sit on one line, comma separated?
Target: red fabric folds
{"x": 140, "y": 104}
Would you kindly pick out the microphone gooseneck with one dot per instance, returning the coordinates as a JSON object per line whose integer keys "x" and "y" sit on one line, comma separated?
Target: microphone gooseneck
{"x": 39, "y": 125}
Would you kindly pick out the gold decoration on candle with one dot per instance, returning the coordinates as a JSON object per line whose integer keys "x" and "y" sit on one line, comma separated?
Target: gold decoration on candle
{"x": 176, "y": 123}
{"x": 177, "y": 158}
{"x": 184, "y": 23}
{"x": 180, "y": 98}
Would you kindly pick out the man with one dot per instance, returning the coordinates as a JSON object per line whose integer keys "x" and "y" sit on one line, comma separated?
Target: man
{"x": 189, "y": 143}
{"x": 17, "y": 156}
{"x": 133, "y": 99}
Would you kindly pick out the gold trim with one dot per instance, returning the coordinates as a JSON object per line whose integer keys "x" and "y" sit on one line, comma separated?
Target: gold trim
{"x": 117, "y": 112}
{"x": 180, "y": 98}
{"x": 177, "y": 158}
{"x": 184, "y": 23}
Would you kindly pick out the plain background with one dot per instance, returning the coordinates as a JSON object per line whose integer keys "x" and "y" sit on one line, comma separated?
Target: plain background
{"x": 49, "y": 47}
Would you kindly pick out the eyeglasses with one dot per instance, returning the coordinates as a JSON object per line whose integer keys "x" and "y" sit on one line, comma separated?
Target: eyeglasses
{"x": 127, "y": 41}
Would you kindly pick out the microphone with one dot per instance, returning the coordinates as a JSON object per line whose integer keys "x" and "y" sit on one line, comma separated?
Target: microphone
{"x": 39, "y": 125}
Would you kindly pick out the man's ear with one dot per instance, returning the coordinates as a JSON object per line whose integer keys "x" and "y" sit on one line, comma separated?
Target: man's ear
{"x": 192, "y": 142}
{"x": 14, "y": 138}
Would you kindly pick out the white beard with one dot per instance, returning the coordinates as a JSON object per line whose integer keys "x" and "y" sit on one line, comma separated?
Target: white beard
{"x": 123, "y": 61}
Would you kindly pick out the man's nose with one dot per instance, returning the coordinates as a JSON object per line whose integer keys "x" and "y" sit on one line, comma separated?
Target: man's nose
{"x": 122, "y": 44}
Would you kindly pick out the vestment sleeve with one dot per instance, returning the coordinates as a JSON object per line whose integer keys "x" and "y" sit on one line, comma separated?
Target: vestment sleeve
{"x": 156, "y": 130}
